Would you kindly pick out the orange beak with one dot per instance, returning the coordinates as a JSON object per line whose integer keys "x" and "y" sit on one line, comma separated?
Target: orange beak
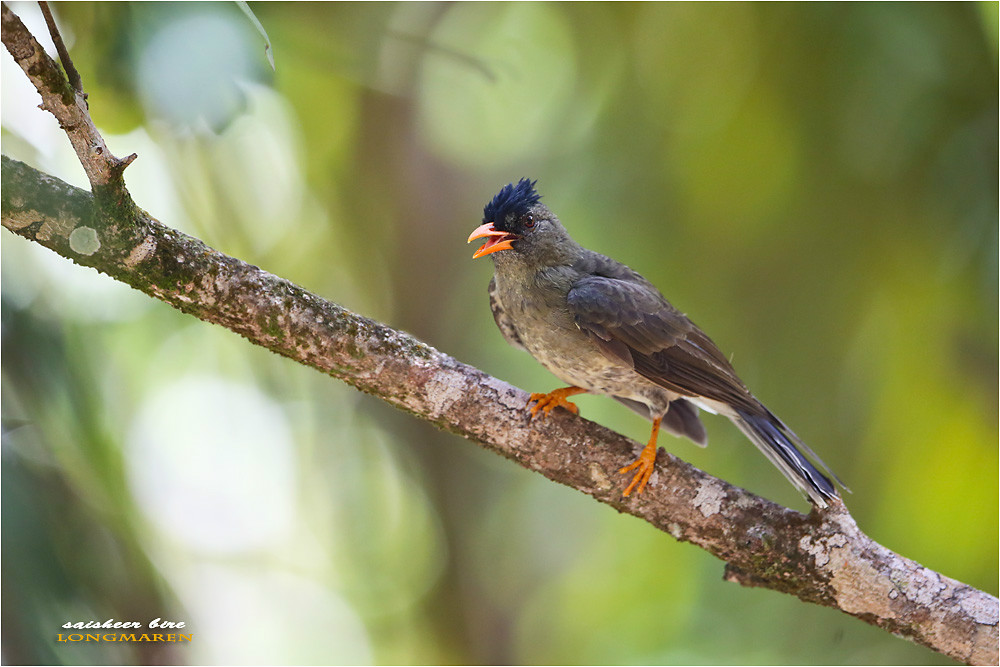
{"x": 495, "y": 240}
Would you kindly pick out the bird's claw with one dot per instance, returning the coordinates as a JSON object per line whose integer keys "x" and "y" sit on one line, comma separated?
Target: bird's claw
{"x": 645, "y": 464}
{"x": 554, "y": 399}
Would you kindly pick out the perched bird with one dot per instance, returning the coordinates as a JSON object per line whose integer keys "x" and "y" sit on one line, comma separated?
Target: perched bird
{"x": 602, "y": 328}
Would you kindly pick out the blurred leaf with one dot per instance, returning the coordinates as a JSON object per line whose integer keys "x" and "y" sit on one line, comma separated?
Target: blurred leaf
{"x": 263, "y": 33}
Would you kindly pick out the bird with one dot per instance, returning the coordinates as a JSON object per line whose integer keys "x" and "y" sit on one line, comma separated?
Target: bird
{"x": 603, "y": 329}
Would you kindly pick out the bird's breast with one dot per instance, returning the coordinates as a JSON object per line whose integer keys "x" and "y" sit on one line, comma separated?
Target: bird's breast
{"x": 549, "y": 333}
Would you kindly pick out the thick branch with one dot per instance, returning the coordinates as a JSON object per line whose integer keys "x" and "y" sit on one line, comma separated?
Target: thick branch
{"x": 822, "y": 558}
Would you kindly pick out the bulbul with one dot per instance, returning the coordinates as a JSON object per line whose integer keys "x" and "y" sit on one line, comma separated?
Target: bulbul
{"x": 602, "y": 328}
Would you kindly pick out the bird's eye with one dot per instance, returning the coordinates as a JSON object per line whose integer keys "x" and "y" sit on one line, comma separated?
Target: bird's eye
{"x": 529, "y": 221}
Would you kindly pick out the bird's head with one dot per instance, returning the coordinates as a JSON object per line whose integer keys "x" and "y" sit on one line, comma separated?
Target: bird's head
{"x": 516, "y": 221}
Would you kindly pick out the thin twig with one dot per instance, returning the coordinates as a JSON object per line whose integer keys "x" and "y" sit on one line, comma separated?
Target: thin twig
{"x": 67, "y": 62}
{"x": 70, "y": 108}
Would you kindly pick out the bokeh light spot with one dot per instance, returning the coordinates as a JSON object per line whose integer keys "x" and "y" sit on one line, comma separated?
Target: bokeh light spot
{"x": 210, "y": 463}
{"x": 189, "y": 70}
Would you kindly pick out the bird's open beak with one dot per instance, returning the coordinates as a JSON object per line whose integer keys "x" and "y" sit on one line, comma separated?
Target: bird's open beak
{"x": 495, "y": 240}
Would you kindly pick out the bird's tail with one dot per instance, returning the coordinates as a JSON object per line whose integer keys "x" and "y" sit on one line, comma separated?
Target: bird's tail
{"x": 780, "y": 444}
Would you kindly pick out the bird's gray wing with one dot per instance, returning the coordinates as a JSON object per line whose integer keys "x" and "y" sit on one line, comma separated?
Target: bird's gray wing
{"x": 630, "y": 321}
{"x": 503, "y": 321}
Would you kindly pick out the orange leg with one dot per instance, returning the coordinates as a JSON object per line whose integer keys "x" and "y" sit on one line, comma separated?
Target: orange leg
{"x": 645, "y": 463}
{"x": 554, "y": 399}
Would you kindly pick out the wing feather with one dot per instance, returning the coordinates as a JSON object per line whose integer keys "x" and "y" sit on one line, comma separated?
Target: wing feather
{"x": 663, "y": 344}
{"x": 625, "y": 313}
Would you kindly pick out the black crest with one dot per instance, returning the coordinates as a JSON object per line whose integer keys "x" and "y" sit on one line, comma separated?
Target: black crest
{"x": 511, "y": 199}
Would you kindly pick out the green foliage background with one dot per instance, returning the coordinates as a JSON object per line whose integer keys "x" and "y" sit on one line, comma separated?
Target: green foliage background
{"x": 814, "y": 184}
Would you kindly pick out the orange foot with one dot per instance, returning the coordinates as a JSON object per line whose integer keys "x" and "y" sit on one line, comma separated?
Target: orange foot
{"x": 554, "y": 399}
{"x": 645, "y": 464}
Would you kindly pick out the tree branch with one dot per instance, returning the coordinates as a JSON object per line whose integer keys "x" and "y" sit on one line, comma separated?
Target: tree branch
{"x": 69, "y": 106}
{"x": 822, "y": 558}
{"x": 71, "y": 74}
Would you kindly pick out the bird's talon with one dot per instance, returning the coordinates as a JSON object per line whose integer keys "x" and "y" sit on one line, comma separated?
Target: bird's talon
{"x": 554, "y": 399}
{"x": 631, "y": 466}
{"x": 646, "y": 463}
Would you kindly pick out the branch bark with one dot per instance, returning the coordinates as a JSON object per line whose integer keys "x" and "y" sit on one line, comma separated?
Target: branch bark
{"x": 822, "y": 558}
{"x": 69, "y": 106}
